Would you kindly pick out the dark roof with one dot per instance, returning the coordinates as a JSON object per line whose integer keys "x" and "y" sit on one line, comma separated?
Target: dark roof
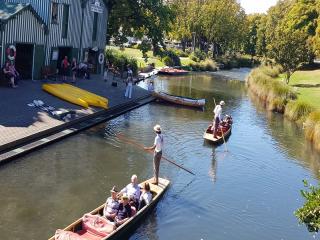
{"x": 9, "y": 10}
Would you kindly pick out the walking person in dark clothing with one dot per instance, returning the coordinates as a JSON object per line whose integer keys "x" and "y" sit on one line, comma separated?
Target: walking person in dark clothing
{"x": 64, "y": 68}
{"x": 157, "y": 147}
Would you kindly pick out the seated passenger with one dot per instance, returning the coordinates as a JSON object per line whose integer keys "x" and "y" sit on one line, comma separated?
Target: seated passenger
{"x": 133, "y": 191}
{"x": 9, "y": 74}
{"x": 112, "y": 205}
{"x": 124, "y": 211}
{"x": 146, "y": 196}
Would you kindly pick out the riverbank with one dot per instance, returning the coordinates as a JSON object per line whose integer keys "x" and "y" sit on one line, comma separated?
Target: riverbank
{"x": 297, "y": 101}
{"x": 24, "y": 128}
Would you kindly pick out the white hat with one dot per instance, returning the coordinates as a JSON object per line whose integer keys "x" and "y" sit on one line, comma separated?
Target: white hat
{"x": 222, "y": 103}
{"x": 157, "y": 128}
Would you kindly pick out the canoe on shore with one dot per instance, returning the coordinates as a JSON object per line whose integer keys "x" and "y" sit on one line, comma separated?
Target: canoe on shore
{"x": 99, "y": 229}
{"x": 76, "y": 95}
{"x": 223, "y": 132}
{"x": 173, "y": 71}
{"x": 190, "y": 102}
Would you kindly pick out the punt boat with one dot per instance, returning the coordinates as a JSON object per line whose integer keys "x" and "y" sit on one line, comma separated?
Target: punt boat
{"x": 172, "y": 71}
{"x": 93, "y": 226}
{"x": 223, "y": 132}
{"x": 186, "y": 101}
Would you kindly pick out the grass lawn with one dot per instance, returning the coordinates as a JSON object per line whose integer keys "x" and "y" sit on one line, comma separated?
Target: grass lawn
{"x": 137, "y": 54}
{"x": 307, "y": 93}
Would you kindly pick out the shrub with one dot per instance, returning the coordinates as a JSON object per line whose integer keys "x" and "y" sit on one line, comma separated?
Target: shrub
{"x": 207, "y": 65}
{"x": 198, "y": 56}
{"x": 309, "y": 213}
{"x": 312, "y": 128}
{"x": 168, "y": 61}
{"x": 175, "y": 59}
{"x": 119, "y": 60}
{"x": 298, "y": 110}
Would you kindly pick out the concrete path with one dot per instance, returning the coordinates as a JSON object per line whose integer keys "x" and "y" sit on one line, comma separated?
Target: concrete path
{"x": 18, "y": 120}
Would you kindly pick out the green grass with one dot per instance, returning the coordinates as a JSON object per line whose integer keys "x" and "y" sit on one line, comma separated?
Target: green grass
{"x": 137, "y": 54}
{"x": 306, "y": 94}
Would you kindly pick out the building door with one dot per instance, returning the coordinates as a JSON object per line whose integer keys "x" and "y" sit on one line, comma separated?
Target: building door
{"x": 93, "y": 60}
{"x": 64, "y": 51}
{"x": 24, "y": 60}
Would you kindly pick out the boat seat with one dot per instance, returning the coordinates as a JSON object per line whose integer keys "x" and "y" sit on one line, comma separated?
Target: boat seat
{"x": 67, "y": 235}
{"x": 97, "y": 225}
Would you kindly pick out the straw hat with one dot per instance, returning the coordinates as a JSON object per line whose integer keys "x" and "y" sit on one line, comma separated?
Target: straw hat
{"x": 114, "y": 189}
{"x": 157, "y": 128}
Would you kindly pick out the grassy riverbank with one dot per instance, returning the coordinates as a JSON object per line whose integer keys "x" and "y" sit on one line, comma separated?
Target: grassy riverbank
{"x": 299, "y": 101}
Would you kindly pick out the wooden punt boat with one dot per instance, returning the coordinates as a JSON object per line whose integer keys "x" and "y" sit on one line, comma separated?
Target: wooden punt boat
{"x": 78, "y": 233}
{"x": 173, "y": 71}
{"x": 190, "y": 102}
{"x": 225, "y": 128}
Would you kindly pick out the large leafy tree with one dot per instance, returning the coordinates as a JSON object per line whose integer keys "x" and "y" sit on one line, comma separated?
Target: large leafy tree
{"x": 150, "y": 18}
{"x": 251, "y": 38}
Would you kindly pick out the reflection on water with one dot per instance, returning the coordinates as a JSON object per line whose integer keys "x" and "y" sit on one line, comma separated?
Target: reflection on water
{"x": 247, "y": 192}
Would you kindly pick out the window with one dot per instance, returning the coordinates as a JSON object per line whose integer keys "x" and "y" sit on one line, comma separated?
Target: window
{"x": 95, "y": 27}
{"x": 54, "y": 13}
{"x": 65, "y": 21}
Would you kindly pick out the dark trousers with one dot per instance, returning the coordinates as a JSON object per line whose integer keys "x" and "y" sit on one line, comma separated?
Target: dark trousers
{"x": 156, "y": 164}
{"x": 216, "y": 125}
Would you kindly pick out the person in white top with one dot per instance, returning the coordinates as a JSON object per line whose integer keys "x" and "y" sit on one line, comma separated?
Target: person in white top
{"x": 112, "y": 205}
{"x": 217, "y": 117}
{"x": 129, "y": 83}
{"x": 157, "y": 147}
{"x": 146, "y": 196}
{"x": 133, "y": 191}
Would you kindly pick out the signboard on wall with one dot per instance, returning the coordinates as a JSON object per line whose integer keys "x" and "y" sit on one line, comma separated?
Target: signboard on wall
{"x": 96, "y": 6}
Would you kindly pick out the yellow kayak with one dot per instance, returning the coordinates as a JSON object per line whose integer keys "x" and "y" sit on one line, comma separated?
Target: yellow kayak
{"x": 91, "y": 98}
{"x": 66, "y": 92}
{"x": 63, "y": 95}
{"x": 86, "y": 92}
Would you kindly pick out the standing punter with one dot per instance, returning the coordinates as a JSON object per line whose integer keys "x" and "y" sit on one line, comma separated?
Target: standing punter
{"x": 157, "y": 147}
{"x": 217, "y": 117}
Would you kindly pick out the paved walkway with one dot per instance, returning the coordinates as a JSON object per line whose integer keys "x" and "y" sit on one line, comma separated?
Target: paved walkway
{"x": 18, "y": 120}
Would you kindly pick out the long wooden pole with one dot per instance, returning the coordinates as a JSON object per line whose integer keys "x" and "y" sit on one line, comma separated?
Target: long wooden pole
{"x": 134, "y": 143}
{"x": 224, "y": 140}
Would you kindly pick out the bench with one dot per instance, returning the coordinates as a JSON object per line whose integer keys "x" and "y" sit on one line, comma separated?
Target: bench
{"x": 49, "y": 72}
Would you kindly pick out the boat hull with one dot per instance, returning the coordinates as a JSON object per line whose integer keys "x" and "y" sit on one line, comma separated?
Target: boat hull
{"x": 180, "y": 100}
{"x": 132, "y": 223}
{"x": 209, "y": 136}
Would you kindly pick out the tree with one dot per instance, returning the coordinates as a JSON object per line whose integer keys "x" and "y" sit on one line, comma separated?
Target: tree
{"x": 251, "y": 38}
{"x": 139, "y": 18}
{"x": 289, "y": 50}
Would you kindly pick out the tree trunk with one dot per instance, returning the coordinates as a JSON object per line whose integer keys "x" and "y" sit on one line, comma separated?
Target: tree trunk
{"x": 288, "y": 75}
{"x": 183, "y": 43}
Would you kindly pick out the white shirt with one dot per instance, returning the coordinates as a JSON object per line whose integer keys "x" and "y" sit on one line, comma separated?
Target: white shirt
{"x": 158, "y": 141}
{"x": 147, "y": 197}
{"x": 217, "y": 112}
{"x": 133, "y": 191}
{"x": 111, "y": 206}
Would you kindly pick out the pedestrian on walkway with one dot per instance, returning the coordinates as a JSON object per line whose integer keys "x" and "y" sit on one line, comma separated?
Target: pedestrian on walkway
{"x": 64, "y": 68}
{"x": 74, "y": 69}
{"x": 157, "y": 147}
{"x": 107, "y": 68}
{"x": 129, "y": 83}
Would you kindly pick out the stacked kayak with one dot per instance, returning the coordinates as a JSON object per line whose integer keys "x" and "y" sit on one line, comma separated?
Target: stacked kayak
{"x": 76, "y": 95}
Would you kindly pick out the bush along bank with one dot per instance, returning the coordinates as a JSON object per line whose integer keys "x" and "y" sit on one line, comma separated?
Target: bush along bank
{"x": 279, "y": 97}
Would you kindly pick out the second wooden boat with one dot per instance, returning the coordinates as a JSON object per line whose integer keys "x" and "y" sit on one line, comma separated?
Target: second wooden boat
{"x": 173, "y": 71}
{"x": 223, "y": 132}
{"x": 99, "y": 228}
{"x": 186, "y": 101}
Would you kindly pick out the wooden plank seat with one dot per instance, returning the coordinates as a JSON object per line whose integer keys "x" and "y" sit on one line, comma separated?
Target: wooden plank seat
{"x": 49, "y": 72}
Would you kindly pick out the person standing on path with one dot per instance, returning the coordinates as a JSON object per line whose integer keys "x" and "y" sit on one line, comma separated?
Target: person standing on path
{"x": 217, "y": 117}
{"x": 129, "y": 83}
{"x": 157, "y": 147}
{"x": 74, "y": 69}
{"x": 64, "y": 68}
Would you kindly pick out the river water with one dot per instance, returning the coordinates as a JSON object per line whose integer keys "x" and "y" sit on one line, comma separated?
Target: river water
{"x": 248, "y": 192}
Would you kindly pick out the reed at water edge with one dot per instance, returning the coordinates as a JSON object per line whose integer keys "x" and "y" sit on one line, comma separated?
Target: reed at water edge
{"x": 279, "y": 97}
